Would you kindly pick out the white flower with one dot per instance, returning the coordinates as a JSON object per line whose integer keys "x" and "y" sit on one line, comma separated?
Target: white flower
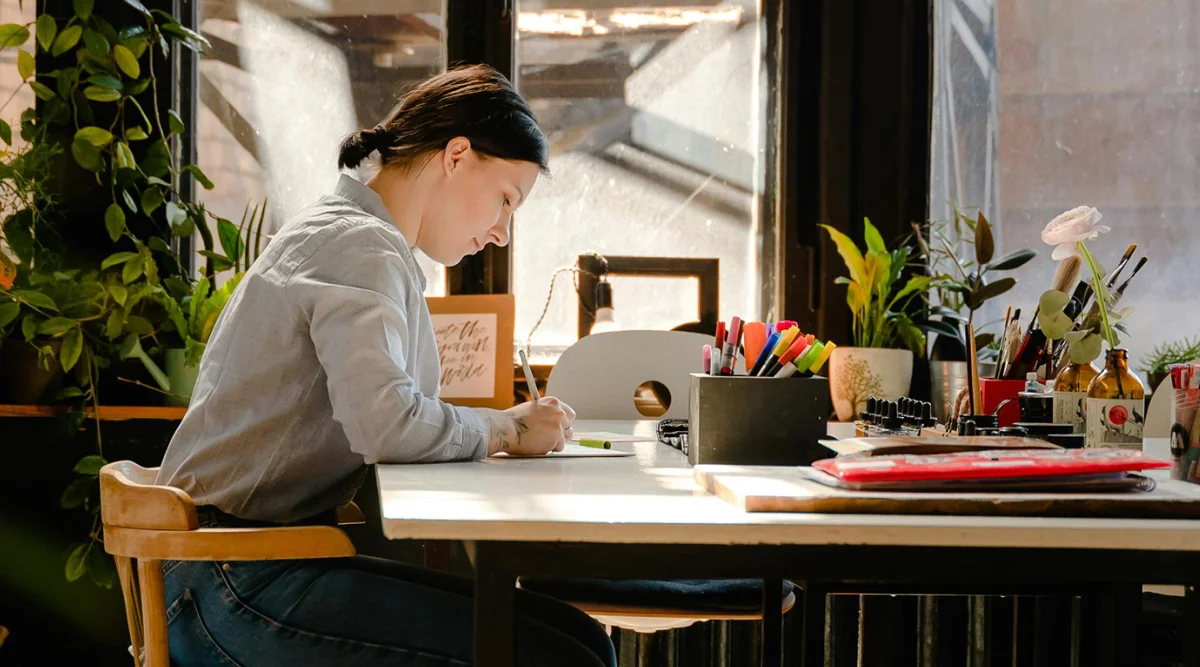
{"x": 1077, "y": 224}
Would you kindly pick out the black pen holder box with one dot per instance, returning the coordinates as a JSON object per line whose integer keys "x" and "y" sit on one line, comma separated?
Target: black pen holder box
{"x": 742, "y": 420}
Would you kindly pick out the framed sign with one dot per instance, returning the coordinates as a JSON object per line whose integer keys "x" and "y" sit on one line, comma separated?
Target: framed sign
{"x": 475, "y": 342}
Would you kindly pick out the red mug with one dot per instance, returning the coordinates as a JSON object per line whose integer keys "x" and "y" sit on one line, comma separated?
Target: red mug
{"x": 995, "y": 392}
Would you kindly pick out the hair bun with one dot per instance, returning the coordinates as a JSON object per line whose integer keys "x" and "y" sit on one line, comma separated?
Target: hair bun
{"x": 356, "y": 148}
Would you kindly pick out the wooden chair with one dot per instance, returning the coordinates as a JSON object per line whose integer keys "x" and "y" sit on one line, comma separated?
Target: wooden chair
{"x": 145, "y": 524}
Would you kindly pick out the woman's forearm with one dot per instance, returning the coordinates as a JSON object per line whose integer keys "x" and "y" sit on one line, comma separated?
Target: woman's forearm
{"x": 504, "y": 430}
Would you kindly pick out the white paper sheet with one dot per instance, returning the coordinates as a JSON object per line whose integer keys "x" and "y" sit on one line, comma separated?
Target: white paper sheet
{"x": 570, "y": 451}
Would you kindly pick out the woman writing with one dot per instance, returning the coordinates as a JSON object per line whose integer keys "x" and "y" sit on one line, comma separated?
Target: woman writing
{"x": 323, "y": 363}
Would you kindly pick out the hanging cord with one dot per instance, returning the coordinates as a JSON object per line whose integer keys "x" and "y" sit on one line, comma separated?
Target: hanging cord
{"x": 575, "y": 271}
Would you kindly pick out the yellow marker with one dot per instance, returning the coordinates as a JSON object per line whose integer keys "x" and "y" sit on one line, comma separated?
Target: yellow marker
{"x": 596, "y": 443}
{"x": 822, "y": 358}
{"x": 785, "y": 341}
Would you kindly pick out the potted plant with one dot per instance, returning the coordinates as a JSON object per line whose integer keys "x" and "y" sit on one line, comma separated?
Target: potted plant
{"x": 1155, "y": 364}
{"x": 960, "y": 252}
{"x": 888, "y": 326}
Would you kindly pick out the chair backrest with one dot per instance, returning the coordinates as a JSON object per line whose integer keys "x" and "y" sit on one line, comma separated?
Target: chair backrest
{"x": 599, "y": 375}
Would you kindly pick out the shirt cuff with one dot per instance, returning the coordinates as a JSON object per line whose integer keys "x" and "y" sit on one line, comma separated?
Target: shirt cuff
{"x": 474, "y": 434}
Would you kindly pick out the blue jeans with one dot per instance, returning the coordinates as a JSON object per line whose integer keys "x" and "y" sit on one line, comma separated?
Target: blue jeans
{"x": 359, "y": 611}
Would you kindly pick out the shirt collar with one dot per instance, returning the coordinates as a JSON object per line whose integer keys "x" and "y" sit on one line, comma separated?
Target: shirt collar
{"x": 351, "y": 189}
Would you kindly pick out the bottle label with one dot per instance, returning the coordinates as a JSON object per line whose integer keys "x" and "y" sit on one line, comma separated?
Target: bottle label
{"x": 1115, "y": 422}
{"x": 1070, "y": 407}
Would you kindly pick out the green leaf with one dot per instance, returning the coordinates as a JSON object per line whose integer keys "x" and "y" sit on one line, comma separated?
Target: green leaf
{"x": 984, "y": 339}
{"x": 140, "y": 86}
{"x": 139, "y": 325}
{"x": 850, "y": 253}
{"x": 152, "y": 198}
{"x": 176, "y": 123}
{"x": 96, "y": 136}
{"x": 133, "y": 270}
{"x": 117, "y": 258}
{"x": 25, "y": 64}
{"x": 115, "y": 325}
{"x": 66, "y": 40}
{"x": 1086, "y": 350}
{"x": 55, "y": 325}
{"x": 125, "y": 158}
{"x": 77, "y": 491}
{"x": 29, "y": 327}
{"x": 1054, "y": 325}
{"x": 139, "y": 7}
{"x": 100, "y": 566}
{"x": 939, "y": 327}
{"x": 47, "y": 28}
{"x": 114, "y": 221}
{"x": 83, "y": 9}
{"x": 1013, "y": 260}
{"x": 8, "y": 313}
{"x": 231, "y": 240}
{"x": 154, "y": 180}
{"x": 87, "y": 155}
{"x": 915, "y": 285}
{"x": 41, "y": 91}
{"x": 98, "y": 94}
{"x": 199, "y": 175}
{"x": 136, "y": 133}
{"x": 72, "y": 347}
{"x": 874, "y": 240}
{"x": 106, "y": 81}
{"x": 119, "y": 293}
{"x": 13, "y": 34}
{"x": 1076, "y": 336}
{"x": 127, "y": 61}
{"x": 221, "y": 262}
{"x": 991, "y": 290}
{"x": 67, "y": 392}
{"x": 6, "y": 130}
{"x": 95, "y": 43}
{"x": 1053, "y": 301}
{"x": 985, "y": 244}
{"x": 77, "y": 561}
{"x": 36, "y": 299}
{"x": 190, "y": 38}
{"x": 133, "y": 207}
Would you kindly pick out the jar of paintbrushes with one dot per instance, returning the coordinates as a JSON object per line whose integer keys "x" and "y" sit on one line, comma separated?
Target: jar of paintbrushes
{"x": 1185, "y": 421}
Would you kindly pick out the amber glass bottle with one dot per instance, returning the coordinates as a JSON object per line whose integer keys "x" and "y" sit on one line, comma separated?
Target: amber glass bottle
{"x": 1070, "y": 395}
{"x": 1116, "y": 405}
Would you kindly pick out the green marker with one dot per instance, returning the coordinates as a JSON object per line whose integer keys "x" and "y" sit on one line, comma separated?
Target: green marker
{"x": 598, "y": 444}
{"x": 805, "y": 361}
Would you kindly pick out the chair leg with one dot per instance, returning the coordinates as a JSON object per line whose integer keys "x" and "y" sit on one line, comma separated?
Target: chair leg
{"x": 154, "y": 612}
{"x": 133, "y": 610}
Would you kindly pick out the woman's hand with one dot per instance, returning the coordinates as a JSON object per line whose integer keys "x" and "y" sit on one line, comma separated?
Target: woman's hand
{"x": 530, "y": 428}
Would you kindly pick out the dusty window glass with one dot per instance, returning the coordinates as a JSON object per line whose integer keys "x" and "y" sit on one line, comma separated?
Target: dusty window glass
{"x": 1043, "y": 106}
{"x": 286, "y": 81}
{"x": 15, "y": 96}
{"x": 656, "y": 117}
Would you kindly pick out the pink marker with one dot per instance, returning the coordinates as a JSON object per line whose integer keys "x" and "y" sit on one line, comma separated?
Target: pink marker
{"x": 731, "y": 340}
{"x": 707, "y": 359}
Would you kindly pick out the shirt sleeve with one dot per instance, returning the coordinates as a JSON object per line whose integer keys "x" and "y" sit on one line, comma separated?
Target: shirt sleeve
{"x": 353, "y": 290}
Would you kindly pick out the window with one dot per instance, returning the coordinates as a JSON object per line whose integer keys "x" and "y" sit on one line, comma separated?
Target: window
{"x": 286, "y": 81}
{"x": 1041, "y": 107}
{"x": 656, "y": 119}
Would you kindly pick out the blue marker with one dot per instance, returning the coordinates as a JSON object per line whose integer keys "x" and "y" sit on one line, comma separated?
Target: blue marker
{"x": 763, "y": 356}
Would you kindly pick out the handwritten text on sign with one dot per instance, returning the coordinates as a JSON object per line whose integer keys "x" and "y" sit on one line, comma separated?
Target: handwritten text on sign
{"x": 467, "y": 346}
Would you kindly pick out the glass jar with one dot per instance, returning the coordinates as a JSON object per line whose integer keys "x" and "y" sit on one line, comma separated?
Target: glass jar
{"x": 1070, "y": 395}
{"x": 1116, "y": 405}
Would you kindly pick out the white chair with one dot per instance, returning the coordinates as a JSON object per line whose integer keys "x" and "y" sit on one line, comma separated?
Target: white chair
{"x": 600, "y": 375}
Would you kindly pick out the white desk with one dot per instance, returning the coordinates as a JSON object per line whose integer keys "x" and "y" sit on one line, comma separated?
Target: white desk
{"x": 650, "y": 498}
{"x": 644, "y": 517}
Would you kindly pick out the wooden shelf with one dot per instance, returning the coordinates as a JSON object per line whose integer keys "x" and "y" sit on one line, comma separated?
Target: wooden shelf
{"x": 107, "y": 412}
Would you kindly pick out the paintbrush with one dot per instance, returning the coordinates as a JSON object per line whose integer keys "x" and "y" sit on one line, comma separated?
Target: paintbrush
{"x": 1003, "y": 332}
{"x": 1121, "y": 290}
{"x": 1088, "y": 291}
{"x": 1034, "y": 344}
{"x": 1011, "y": 347}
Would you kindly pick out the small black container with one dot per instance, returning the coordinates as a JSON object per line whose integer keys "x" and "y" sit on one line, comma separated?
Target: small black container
{"x": 1067, "y": 440}
{"x": 744, "y": 420}
{"x": 1039, "y": 430}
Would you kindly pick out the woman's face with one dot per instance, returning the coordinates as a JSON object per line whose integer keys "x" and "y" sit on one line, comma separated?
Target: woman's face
{"x": 472, "y": 202}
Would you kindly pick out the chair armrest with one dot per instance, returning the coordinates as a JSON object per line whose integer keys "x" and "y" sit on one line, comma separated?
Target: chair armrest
{"x": 293, "y": 542}
{"x": 350, "y": 514}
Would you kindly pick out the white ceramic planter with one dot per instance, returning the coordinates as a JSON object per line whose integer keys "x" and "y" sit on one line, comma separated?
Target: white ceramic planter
{"x": 858, "y": 373}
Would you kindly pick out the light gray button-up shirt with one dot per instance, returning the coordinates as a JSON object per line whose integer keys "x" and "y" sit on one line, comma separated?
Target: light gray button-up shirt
{"x": 323, "y": 361}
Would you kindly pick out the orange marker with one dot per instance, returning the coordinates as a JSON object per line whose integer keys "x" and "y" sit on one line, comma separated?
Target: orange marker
{"x": 754, "y": 335}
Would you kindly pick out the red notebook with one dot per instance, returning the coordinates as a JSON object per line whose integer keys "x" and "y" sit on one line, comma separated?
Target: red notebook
{"x": 991, "y": 464}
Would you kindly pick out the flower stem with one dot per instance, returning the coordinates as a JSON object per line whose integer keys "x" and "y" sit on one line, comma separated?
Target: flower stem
{"x": 1101, "y": 294}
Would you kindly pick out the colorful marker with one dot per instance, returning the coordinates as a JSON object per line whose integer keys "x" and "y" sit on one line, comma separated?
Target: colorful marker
{"x": 730, "y": 349}
{"x": 597, "y": 444}
{"x": 785, "y": 341}
{"x": 793, "y": 351}
{"x": 754, "y": 335}
{"x": 720, "y": 341}
{"x": 809, "y": 357}
{"x": 707, "y": 368}
{"x": 785, "y": 325}
{"x": 822, "y": 358}
{"x": 765, "y": 354}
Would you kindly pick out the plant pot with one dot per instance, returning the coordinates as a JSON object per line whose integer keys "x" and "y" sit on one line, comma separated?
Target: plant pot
{"x": 947, "y": 380}
{"x": 22, "y": 381}
{"x": 182, "y": 377}
{"x": 858, "y": 373}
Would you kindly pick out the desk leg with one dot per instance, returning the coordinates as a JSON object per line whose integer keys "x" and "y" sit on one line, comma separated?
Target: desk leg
{"x": 812, "y": 643}
{"x": 1191, "y": 619}
{"x": 495, "y": 622}
{"x": 772, "y": 623}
